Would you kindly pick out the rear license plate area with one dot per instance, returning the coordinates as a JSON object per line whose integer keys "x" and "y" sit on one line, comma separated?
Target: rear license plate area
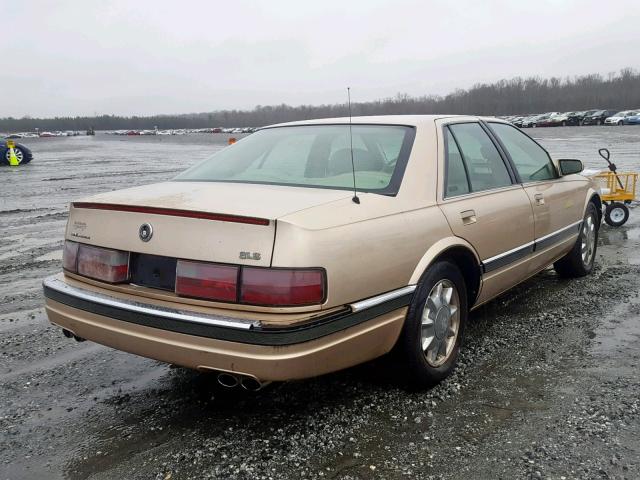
{"x": 153, "y": 271}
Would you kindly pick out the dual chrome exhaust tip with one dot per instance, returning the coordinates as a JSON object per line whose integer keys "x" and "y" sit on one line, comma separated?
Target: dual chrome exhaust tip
{"x": 226, "y": 379}
{"x": 70, "y": 334}
{"x": 231, "y": 380}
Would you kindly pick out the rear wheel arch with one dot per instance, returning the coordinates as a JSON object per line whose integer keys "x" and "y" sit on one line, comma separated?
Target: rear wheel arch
{"x": 597, "y": 201}
{"x": 462, "y": 256}
{"x": 466, "y": 261}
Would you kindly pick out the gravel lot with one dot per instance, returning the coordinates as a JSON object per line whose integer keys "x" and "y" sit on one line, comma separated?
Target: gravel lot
{"x": 548, "y": 385}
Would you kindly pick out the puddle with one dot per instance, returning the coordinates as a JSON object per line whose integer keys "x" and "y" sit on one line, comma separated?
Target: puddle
{"x": 621, "y": 328}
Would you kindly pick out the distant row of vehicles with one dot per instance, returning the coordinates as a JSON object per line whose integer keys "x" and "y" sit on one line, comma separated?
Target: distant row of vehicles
{"x": 57, "y": 133}
{"x": 587, "y": 117}
{"x": 181, "y": 131}
{"x": 549, "y": 119}
{"x": 155, "y": 131}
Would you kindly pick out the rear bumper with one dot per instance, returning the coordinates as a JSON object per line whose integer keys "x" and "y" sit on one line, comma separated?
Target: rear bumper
{"x": 204, "y": 342}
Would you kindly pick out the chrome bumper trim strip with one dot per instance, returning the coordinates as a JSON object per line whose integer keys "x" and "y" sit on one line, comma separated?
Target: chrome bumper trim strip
{"x": 157, "y": 311}
{"x": 219, "y": 328}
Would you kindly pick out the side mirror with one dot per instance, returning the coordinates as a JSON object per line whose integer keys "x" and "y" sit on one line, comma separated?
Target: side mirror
{"x": 569, "y": 166}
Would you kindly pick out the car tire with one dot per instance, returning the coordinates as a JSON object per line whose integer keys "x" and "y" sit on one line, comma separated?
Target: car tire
{"x": 579, "y": 261}
{"x": 616, "y": 214}
{"x": 620, "y": 123}
{"x": 599, "y": 122}
{"x": 23, "y": 157}
{"x": 564, "y": 123}
{"x": 434, "y": 327}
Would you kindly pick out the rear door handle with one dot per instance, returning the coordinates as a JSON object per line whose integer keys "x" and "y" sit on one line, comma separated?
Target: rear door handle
{"x": 539, "y": 198}
{"x": 468, "y": 217}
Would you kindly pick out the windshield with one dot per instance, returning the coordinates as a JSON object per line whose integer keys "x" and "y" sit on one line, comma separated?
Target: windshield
{"x": 313, "y": 156}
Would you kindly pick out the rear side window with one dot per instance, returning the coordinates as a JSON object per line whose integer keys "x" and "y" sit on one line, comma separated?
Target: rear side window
{"x": 483, "y": 163}
{"x": 531, "y": 161}
{"x": 457, "y": 182}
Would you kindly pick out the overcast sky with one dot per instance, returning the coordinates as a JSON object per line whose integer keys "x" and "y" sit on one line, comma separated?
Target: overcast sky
{"x": 146, "y": 57}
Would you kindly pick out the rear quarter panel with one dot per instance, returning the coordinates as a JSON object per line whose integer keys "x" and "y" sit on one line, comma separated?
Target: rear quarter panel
{"x": 363, "y": 258}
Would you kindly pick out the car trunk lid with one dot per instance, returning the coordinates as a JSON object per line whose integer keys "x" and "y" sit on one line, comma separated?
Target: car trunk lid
{"x": 208, "y": 221}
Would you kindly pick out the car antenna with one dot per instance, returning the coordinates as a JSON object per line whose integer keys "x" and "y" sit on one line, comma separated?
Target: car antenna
{"x": 353, "y": 165}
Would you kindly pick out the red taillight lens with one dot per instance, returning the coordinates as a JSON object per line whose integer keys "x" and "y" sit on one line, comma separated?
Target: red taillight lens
{"x": 70, "y": 256}
{"x": 103, "y": 264}
{"x": 207, "y": 280}
{"x": 280, "y": 287}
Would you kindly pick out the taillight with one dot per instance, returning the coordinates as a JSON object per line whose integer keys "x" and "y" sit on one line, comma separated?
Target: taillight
{"x": 269, "y": 287}
{"x": 103, "y": 264}
{"x": 282, "y": 287}
{"x": 70, "y": 256}
{"x": 207, "y": 280}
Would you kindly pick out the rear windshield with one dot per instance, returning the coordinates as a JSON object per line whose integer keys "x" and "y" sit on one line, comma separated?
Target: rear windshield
{"x": 313, "y": 156}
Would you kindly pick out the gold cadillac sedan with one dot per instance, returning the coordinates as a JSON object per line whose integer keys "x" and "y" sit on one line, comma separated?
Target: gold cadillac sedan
{"x": 261, "y": 263}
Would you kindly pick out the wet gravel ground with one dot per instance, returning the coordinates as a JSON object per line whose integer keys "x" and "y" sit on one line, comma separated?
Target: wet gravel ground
{"x": 548, "y": 385}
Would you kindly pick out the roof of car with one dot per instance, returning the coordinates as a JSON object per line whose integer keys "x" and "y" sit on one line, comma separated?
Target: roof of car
{"x": 412, "y": 120}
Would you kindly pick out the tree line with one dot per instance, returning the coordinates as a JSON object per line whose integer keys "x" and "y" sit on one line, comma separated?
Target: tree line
{"x": 518, "y": 95}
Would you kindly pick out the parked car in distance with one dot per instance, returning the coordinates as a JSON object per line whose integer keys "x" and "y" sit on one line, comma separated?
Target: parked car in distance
{"x": 598, "y": 117}
{"x": 618, "y": 118}
{"x": 261, "y": 264}
{"x": 545, "y": 120}
{"x": 23, "y": 154}
{"x": 530, "y": 121}
{"x": 633, "y": 118}
{"x": 517, "y": 121}
{"x": 574, "y": 119}
{"x": 558, "y": 120}
{"x": 586, "y": 113}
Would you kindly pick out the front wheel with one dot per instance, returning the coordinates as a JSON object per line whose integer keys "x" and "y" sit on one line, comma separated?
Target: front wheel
{"x": 434, "y": 327}
{"x": 579, "y": 261}
{"x": 616, "y": 214}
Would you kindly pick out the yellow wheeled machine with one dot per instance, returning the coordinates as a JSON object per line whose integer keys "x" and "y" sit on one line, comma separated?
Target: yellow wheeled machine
{"x": 617, "y": 190}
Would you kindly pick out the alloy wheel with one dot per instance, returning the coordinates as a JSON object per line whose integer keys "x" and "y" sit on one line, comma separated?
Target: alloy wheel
{"x": 440, "y": 323}
{"x": 588, "y": 240}
{"x": 18, "y": 153}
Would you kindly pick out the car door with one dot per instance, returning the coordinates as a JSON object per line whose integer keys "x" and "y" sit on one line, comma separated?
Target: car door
{"x": 484, "y": 205}
{"x": 557, "y": 202}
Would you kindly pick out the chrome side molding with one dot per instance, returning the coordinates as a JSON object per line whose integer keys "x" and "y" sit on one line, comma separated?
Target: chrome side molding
{"x": 378, "y": 299}
{"x": 510, "y": 256}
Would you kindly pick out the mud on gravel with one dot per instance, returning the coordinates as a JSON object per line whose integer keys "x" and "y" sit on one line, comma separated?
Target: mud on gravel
{"x": 548, "y": 384}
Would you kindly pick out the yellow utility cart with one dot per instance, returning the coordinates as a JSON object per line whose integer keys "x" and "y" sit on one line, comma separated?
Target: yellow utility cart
{"x": 617, "y": 190}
